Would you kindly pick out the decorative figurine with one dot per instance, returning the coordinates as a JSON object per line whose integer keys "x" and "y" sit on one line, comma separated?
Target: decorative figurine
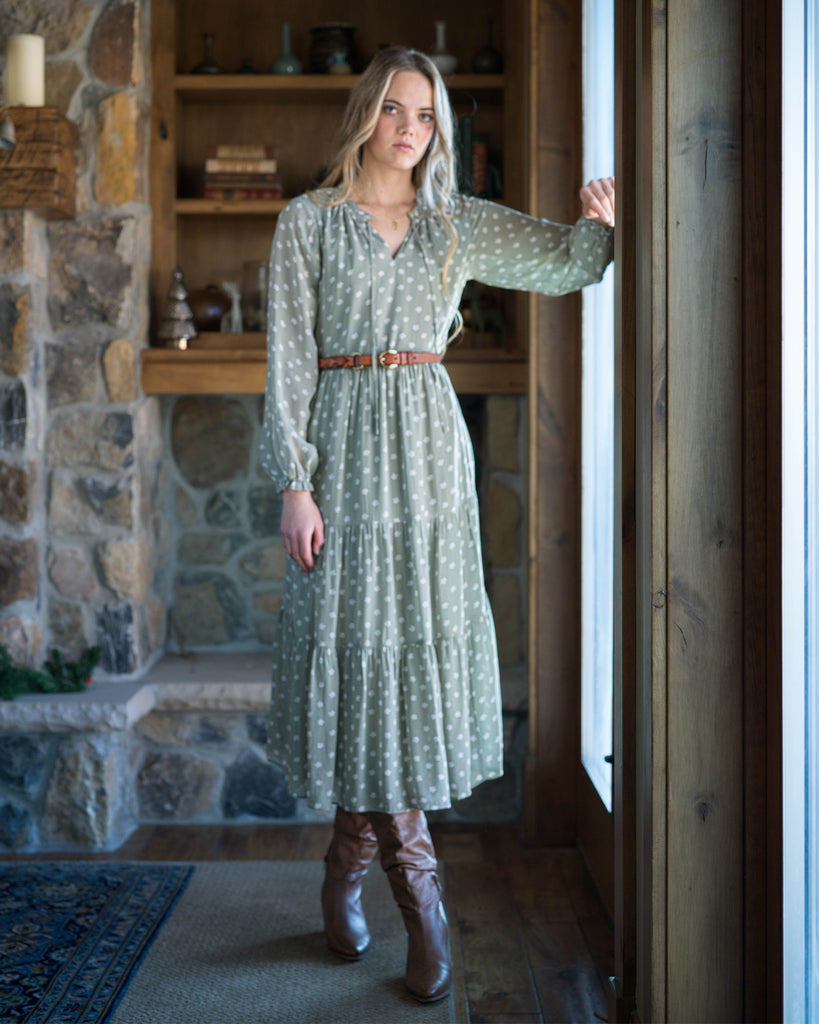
{"x": 286, "y": 63}
{"x": 232, "y": 320}
{"x": 176, "y": 327}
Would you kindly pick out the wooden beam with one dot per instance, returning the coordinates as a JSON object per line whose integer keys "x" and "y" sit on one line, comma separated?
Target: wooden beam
{"x": 163, "y": 151}
{"x": 762, "y": 489}
{"x": 554, "y": 397}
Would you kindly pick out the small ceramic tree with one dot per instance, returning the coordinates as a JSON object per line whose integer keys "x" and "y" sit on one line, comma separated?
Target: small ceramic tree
{"x": 176, "y": 327}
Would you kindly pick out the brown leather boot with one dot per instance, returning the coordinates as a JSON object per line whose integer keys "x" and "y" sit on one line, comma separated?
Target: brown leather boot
{"x": 351, "y": 852}
{"x": 408, "y": 857}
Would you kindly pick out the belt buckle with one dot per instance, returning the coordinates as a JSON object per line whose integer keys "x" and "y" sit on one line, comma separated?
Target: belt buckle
{"x": 382, "y": 359}
{"x": 356, "y": 364}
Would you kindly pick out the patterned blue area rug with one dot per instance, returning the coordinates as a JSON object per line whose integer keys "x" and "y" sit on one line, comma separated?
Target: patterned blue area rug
{"x": 73, "y": 934}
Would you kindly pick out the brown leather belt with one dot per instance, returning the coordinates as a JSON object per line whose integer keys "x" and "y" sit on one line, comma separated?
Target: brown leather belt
{"x": 389, "y": 359}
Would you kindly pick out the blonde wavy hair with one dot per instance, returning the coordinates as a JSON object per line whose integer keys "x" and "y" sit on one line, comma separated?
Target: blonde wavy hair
{"x": 434, "y": 176}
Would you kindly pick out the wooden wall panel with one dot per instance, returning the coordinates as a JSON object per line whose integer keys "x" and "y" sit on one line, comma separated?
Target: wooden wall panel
{"x": 622, "y": 992}
{"x": 554, "y": 722}
{"x": 704, "y": 564}
{"x": 650, "y": 508}
{"x": 762, "y": 375}
{"x": 706, "y": 512}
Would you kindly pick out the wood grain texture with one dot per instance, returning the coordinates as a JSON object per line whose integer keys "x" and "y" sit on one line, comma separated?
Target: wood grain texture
{"x": 554, "y": 723}
{"x": 40, "y": 172}
{"x": 762, "y": 485}
{"x": 622, "y": 993}
{"x": 704, "y": 560}
{"x": 163, "y": 153}
{"x": 651, "y": 426}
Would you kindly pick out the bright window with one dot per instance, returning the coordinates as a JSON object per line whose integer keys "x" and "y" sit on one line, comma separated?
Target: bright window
{"x": 597, "y": 469}
{"x": 800, "y": 513}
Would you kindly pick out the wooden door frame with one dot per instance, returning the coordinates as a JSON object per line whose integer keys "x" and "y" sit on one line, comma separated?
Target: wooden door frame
{"x": 702, "y": 937}
{"x": 555, "y": 133}
{"x": 561, "y": 805}
{"x": 698, "y": 700}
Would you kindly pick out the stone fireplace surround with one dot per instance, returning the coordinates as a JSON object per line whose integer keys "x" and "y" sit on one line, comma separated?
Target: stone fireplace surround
{"x": 146, "y": 525}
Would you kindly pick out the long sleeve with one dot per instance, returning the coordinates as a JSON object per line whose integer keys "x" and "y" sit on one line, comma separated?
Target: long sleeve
{"x": 292, "y": 357}
{"x": 513, "y": 250}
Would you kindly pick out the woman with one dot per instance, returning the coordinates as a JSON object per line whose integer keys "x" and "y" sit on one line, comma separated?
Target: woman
{"x": 386, "y": 697}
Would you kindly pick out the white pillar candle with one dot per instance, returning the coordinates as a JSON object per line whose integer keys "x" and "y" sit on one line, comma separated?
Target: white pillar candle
{"x": 25, "y": 71}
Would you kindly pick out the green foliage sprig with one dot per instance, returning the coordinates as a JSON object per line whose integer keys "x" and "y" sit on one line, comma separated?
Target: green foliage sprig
{"x": 56, "y": 676}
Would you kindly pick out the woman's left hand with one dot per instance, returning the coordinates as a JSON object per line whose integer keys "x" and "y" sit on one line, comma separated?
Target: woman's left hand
{"x": 598, "y": 200}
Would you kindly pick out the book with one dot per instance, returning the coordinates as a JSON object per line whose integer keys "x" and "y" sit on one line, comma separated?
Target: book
{"x": 241, "y": 151}
{"x": 213, "y": 192}
{"x": 239, "y": 178}
{"x": 235, "y": 165}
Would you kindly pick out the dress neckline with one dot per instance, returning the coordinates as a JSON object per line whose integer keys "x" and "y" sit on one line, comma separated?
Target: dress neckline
{"x": 363, "y": 216}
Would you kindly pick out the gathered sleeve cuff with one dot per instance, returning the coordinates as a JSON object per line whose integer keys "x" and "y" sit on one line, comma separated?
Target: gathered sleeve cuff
{"x": 292, "y": 353}
{"x": 513, "y": 250}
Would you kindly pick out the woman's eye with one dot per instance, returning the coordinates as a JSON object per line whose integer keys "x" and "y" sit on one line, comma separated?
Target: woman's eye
{"x": 427, "y": 118}
{"x": 389, "y": 108}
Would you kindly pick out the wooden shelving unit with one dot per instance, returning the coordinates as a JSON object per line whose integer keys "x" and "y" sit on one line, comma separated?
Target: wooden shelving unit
{"x": 210, "y": 239}
{"x": 228, "y": 88}
{"x": 237, "y": 364}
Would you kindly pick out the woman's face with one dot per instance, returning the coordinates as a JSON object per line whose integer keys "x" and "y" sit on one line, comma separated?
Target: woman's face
{"x": 405, "y": 125}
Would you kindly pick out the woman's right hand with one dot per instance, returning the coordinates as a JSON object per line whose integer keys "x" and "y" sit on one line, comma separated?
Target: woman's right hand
{"x": 302, "y": 528}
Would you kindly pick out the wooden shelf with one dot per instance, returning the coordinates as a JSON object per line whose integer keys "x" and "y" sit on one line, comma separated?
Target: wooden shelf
{"x": 228, "y": 207}
{"x": 242, "y": 371}
{"x": 234, "y": 88}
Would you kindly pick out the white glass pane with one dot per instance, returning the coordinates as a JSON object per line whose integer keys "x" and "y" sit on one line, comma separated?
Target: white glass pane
{"x": 800, "y": 514}
{"x": 597, "y": 464}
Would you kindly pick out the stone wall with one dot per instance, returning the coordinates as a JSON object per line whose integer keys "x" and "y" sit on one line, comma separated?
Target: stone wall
{"x": 184, "y": 745}
{"x": 80, "y": 446}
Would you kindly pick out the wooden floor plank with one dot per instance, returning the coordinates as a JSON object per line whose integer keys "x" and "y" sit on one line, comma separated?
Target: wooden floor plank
{"x": 564, "y": 972}
{"x": 531, "y": 941}
{"x": 496, "y": 969}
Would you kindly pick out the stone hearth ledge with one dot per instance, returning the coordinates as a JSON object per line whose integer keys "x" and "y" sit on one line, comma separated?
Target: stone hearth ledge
{"x": 214, "y": 681}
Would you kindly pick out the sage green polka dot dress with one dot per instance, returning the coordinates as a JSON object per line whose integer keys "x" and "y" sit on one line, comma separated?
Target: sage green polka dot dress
{"x": 385, "y": 672}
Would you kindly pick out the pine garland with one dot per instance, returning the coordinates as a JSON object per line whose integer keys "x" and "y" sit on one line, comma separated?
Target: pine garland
{"x": 57, "y": 674}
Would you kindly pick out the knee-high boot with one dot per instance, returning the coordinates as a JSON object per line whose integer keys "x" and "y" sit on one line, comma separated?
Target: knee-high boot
{"x": 351, "y": 852}
{"x": 408, "y": 857}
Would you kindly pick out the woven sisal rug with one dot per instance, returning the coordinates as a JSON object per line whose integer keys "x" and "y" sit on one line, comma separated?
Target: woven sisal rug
{"x": 244, "y": 946}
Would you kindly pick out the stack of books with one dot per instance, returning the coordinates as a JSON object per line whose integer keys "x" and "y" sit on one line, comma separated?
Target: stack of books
{"x": 242, "y": 172}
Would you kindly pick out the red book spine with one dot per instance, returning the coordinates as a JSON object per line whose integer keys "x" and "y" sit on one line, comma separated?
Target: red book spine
{"x": 243, "y": 193}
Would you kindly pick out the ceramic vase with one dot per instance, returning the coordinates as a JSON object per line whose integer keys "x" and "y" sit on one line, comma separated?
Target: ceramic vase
{"x": 207, "y": 66}
{"x": 488, "y": 61}
{"x": 286, "y": 63}
{"x": 443, "y": 60}
{"x": 329, "y": 40}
